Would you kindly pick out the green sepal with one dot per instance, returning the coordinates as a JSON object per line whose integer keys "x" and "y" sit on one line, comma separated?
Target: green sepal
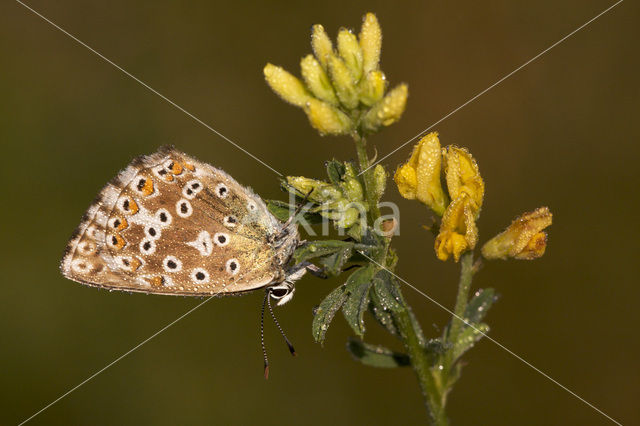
{"x": 376, "y": 356}
{"x": 335, "y": 171}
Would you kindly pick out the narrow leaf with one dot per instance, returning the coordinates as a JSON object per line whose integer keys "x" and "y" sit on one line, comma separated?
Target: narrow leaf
{"x": 468, "y": 337}
{"x": 325, "y": 312}
{"x": 376, "y": 356}
{"x": 478, "y": 306}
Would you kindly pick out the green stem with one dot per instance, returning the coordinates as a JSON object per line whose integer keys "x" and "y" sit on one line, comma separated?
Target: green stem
{"x": 402, "y": 316}
{"x": 369, "y": 182}
{"x": 462, "y": 299}
{"x": 421, "y": 365}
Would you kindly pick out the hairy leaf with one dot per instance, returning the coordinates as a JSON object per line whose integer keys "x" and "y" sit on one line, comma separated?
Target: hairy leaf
{"x": 468, "y": 337}
{"x": 357, "y": 288}
{"x": 376, "y": 356}
{"x": 325, "y": 312}
{"x": 478, "y": 306}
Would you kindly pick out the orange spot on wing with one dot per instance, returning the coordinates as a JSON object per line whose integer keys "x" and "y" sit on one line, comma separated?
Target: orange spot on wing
{"x": 147, "y": 189}
{"x": 119, "y": 241}
{"x": 133, "y": 206}
{"x": 123, "y": 224}
{"x": 189, "y": 167}
{"x": 155, "y": 282}
{"x": 175, "y": 168}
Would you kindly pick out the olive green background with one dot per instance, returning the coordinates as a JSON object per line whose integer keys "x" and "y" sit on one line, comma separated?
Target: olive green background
{"x": 562, "y": 132}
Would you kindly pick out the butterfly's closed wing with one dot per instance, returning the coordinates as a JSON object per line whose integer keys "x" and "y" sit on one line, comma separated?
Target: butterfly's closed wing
{"x": 170, "y": 224}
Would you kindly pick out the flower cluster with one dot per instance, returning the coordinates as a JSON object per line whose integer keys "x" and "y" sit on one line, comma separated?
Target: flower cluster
{"x": 421, "y": 178}
{"x": 459, "y": 206}
{"x": 343, "y": 89}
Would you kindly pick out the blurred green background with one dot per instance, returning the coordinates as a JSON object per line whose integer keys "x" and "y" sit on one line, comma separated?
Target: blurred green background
{"x": 562, "y": 132}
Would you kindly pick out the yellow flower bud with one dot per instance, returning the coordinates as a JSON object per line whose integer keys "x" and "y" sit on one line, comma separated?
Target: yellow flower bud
{"x": 343, "y": 82}
{"x": 463, "y": 176}
{"x": 370, "y": 42}
{"x": 388, "y": 110}
{"x": 419, "y": 178}
{"x": 372, "y": 87}
{"x": 326, "y": 118}
{"x": 286, "y": 85}
{"x": 317, "y": 80}
{"x": 350, "y": 51}
{"x": 321, "y": 44}
{"x": 458, "y": 230}
{"x": 523, "y": 239}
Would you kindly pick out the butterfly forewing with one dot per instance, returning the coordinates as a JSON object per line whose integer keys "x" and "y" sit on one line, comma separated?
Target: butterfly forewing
{"x": 170, "y": 224}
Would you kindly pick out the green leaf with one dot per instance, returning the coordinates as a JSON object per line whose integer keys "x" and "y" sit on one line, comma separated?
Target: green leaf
{"x": 325, "y": 312}
{"x": 357, "y": 287}
{"x": 334, "y": 264}
{"x": 389, "y": 297}
{"x": 468, "y": 337}
{"x": 479, "y": 305}
{"x": 283, "y": 211}
{"x": 314, "y": 249}
{"x": 381, "y": 315}
{"x": 376, "y": 356}
{"x": 335, "y": 171}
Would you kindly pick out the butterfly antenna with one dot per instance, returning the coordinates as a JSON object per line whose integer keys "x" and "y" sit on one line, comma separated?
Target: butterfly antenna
{"x": 264, "y": 349}
{"x": 291, "y": 349}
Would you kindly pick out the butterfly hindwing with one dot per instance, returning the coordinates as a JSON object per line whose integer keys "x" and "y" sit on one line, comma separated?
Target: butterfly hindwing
{"x": 170, "y": 224}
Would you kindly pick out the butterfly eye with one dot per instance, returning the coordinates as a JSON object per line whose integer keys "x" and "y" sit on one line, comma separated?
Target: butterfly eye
{"x": 230, "y": 221}
{"x": 164, "y": 217}
{"x": 152, "y": 232}
{"x": 200, "y": 276}
{"x": 191, "y": 189}
{"x": 232, "y": 266}
{"x": 147, "y": 246}
{"x": 172, "y": 264}
{"x": 183, "y": 208}
{"x": 221, "y": 190}
{"x": 221, "y": 239}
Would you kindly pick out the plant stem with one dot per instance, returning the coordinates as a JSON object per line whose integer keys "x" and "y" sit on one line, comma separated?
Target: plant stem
{"x": 462, "y": 299}
{"x": 430, "y": 389}
{"x": 402, "y": 316}
{"x": 369, "y": 183}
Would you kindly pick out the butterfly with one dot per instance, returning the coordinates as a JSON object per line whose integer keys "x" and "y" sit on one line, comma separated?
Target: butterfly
{"x": 171, "y": 224}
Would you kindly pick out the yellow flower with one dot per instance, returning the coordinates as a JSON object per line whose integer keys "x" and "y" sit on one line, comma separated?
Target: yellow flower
{"x": 419, "y": 178}
{"x": 458, "y": 230}
{"x": 523, "y": 239}
{"x": 463, "y": 175}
